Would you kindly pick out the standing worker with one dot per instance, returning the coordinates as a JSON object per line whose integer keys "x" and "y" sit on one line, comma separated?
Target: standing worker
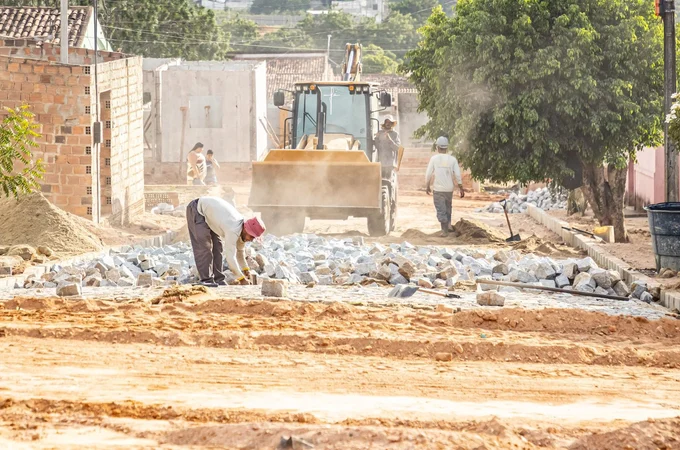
{"x": 387, "y": 143}
{"x": 214, "y": 223}
{"x": 196, "y": 167}
{"x": 211, "y": 164}
{"x": 442, "y": 169}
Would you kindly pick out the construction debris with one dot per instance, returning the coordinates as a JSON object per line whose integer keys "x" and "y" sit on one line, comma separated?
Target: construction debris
{"x": 313, "y": 260}
{"x": 519, "y": 203}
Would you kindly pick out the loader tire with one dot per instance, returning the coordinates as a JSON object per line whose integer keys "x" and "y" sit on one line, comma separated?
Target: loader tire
{"x": 379, "y": 224}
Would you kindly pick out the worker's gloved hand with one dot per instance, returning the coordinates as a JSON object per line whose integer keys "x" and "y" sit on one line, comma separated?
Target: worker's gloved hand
{"x": 244, "y": 282}
{"x": 428, "y": 191}
{"x": 462, "y": 192}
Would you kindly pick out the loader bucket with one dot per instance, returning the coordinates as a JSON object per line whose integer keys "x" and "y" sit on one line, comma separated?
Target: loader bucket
{"x": 316, "y": 179}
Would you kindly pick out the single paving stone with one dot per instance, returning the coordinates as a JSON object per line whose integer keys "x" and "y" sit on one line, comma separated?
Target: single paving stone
{"x": 602, "y": 277}
{"x": 520, "y": 276}
{"x": 309, "y": 277}
{"x": 638, "y": 288}
{"x": 545, "y": 271}
{"x": 113, "y": 275}
{"x": 68, "y": 289}
{"x": 501, "y": 268}
{"x": 490, "y": 298}
{"x": 145, "y": 279}
{"x": 92, "y": 281}
{"x": 407, "y": 270}
{"x": 274, "y": 288}
{"x": 584, "y": 282}
{"x": 570, "y": 270}
{"x": 562, "y": 281}
{"x": 547, "y": 283}
{"x": 425, "y": 283}
{"x": 647, "y": 297}
{"x": 585, "y": 264}
{"x": 621, "y": 289}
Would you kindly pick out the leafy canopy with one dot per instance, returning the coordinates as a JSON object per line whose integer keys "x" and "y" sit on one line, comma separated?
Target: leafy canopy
{"x": 528, "y": 88}
{"x": 19, "y": 174}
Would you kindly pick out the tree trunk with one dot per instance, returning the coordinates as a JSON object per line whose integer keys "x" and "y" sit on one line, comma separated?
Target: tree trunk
{"x": 576, "y": 202}
{"x": 605, "y": 193}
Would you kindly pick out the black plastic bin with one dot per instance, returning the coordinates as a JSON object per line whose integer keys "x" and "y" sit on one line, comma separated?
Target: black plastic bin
{"x": 664, "y": 225}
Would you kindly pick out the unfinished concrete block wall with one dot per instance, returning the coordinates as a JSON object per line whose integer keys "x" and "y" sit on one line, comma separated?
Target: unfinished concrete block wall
{"x": 122, "y": 152}
{"x": 62, "y": 99}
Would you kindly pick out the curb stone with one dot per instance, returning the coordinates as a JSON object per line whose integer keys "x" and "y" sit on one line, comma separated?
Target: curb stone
{"x": 604, "y": 259}
{"x": 40, "y": 269}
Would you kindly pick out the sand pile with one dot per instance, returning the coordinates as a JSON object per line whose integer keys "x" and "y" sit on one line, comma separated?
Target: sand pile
{"x": 34, "y": 221}
{"x": 535, "y": 244}
{"x": 470, "y": 230}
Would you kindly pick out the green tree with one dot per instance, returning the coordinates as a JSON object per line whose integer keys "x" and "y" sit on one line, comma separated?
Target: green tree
{"x": 17, "y": 138}
{"x": 377, "y": 60}
{"x": 533, "y": 89}
{"x": 156, "y": 28}
{"x": 242, "y": 32}
{"x": 279, "y": 6}
{"x": 418, "y": 9}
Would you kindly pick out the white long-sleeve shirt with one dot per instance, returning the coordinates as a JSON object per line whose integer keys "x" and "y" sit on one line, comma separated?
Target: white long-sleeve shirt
{"x": 225, "y": 221}
{"x": 444, "y": 167}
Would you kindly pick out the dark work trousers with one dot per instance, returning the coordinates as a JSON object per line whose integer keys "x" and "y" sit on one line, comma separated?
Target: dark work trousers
{"x": 206, "y": 244}
{"x": 443, "y": 203}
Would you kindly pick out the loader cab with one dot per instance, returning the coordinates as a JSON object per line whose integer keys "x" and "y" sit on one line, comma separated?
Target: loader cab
{"x": 335, "y": 113}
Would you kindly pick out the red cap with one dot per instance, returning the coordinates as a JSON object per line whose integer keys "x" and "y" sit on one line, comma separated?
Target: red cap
{"x": 254, "y": 227}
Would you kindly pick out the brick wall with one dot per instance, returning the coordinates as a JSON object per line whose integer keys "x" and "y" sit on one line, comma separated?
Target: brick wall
{"x": 63, "y": 99}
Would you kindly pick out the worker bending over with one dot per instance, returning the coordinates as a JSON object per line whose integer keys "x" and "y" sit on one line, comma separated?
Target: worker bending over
{"x": 442, "y": 170}
{"x": 216, "y": 227}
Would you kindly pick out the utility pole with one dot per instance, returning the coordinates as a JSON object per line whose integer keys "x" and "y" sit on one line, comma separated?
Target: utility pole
{"x": 64, "y": 31}
{"x": 670, "y": 87}
{"x": 328, "y": 58}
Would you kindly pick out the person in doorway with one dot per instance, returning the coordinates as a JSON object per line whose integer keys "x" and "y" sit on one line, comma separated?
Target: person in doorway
{"x": 196, "y": 167}
{"x": 216, "y": 228}
{"x": 443, "y": 171}
{"x": 387, "y": 143}
{"x": 210, "y": 165}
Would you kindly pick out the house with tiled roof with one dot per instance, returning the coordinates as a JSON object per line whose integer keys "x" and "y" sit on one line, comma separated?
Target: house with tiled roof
{"x": 44, "y": 25}
{"x": 284, "y": 70}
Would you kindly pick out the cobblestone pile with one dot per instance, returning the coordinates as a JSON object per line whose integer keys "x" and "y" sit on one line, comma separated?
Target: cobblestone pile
{"x": 315, "y": 260}
{"x": 519, "y": 203}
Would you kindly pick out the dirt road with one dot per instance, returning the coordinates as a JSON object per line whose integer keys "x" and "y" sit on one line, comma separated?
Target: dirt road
{"x": 214, "y": 371}
{"x": 239, "y": 374}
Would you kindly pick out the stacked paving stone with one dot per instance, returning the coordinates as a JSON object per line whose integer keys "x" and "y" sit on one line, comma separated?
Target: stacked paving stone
{"x": 166, "y": 209}
{"x": 541, "y": 198}
{"x": 311, "y": 260}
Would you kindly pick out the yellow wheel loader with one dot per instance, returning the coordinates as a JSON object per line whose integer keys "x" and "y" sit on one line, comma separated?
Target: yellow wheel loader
{"x": 330, "y": 168}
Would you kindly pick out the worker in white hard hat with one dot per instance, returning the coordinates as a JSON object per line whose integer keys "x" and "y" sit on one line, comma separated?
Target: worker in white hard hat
{"x": 442, "y": 172}
{"x": 387, "y": 143}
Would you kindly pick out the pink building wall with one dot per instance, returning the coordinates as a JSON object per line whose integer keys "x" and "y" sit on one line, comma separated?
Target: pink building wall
{"x": 646, "y": 178}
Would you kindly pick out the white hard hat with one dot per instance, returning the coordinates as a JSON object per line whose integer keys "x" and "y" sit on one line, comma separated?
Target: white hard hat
{"x": 390, "y": 118}
{"x": 442, "y": 142}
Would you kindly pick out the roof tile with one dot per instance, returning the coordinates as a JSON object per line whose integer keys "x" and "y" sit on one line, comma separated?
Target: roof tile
{"x": 25, "y": 22}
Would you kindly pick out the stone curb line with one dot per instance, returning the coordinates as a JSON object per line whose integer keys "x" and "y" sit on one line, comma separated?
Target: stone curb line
{"x": 40, "y": 269}
{"x": 670, "y": 300}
